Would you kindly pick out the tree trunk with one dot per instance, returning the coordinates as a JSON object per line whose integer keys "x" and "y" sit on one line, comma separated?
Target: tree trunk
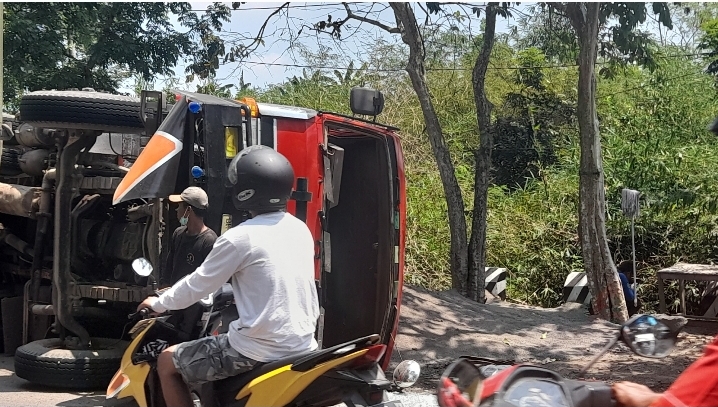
{"x": 411, "y": 36}
{"x": 604, "y": 283}
{"x": 477, "y": 243}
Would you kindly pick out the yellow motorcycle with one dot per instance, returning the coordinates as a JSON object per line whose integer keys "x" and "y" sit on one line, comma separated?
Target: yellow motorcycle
{"x": 347, "y": 373}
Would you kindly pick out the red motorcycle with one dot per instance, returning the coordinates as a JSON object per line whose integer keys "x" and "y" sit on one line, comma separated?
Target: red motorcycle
{"x": 472, "y": 382}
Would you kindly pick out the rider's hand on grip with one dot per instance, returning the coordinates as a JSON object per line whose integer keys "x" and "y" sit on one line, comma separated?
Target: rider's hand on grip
{"x": 139, "y": 314}
{"x": 450, "y": 395}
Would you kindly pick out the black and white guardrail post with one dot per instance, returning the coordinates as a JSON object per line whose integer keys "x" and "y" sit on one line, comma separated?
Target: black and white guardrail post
{"x": 575, "y": 289}
{"x": 496, "y": 282}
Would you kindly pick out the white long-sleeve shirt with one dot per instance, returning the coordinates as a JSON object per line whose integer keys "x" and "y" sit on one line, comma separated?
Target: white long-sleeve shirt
{"x": 270, "y": 261}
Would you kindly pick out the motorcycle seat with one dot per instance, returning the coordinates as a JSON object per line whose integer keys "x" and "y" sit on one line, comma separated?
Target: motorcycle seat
{"x": 228, "y": 388}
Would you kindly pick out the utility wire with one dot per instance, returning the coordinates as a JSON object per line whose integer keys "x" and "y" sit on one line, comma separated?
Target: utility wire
{"x": 447, "y": 69}
{"x": 647, "y": 84}
{"x": 310, "y": 5}
{"x": 399, "y": 69}
{"x": 598, "y": 96}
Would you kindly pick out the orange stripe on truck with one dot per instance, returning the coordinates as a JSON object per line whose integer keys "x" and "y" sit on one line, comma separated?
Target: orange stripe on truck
{"x": 160, "y": 149}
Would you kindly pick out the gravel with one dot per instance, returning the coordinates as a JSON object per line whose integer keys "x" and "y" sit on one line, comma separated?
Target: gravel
{"x": 438, "y": 327}
{"x": 415, "y": 398}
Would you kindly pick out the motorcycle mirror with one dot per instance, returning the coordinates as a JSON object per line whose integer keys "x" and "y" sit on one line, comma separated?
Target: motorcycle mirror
{"x": 643, "y": 334}
{"x": 460, "y": 384}
{"x": 406, "y": 373}
{"x": 142, "y": 267}
{"x": 648, "y": 337}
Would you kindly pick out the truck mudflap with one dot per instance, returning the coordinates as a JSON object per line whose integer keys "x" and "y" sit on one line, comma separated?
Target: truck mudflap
{"x": 154, "y": 173}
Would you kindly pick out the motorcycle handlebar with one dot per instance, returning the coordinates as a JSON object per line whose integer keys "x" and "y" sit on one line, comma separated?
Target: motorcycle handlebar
{"x": 139, "y": 314}
{"x": 590, "y": 393}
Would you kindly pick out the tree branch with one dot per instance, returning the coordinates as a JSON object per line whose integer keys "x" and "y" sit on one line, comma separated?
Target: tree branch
{"x": 68, "y": 54}
{"x": 482, "y": 60}
{"x": 562, "y": 10}
{"x": 377, "y": 23}
{"x": 576, "y": 13}
{"x": 242, "y": 51}
{"x": 426, "y": 12}
{"x": 558, "y": 6}
{"x": 259, "y": 38}
{"x": 477, "y": 242}
{"x": 411, "y": 36}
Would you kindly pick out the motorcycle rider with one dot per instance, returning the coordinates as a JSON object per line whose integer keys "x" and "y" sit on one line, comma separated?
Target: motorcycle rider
{"x": 697, "y": 386}
{"x": 270, "y": 261}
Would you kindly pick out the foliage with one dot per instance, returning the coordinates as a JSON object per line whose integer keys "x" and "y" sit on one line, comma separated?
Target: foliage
{"x": 97, "y": 45}
{"x": 652, "y": 122}
{"x": 623, "y": 39}
{"x": 659, "y": 145}
{"x": 212, "y": 87}
{"x": 548, "y": 31}
{"x": 320, "y": 89}
{"x": 654, "y": 140}
{"x": 709, "y": 40}
{"x": 529, "y": 132}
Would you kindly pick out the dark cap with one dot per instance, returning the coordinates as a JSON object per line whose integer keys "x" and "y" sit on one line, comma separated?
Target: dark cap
{"x": 193, "y": 196}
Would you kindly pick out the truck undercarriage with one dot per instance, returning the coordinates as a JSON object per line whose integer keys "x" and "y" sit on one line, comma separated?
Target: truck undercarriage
{"x": 61, "y": 232}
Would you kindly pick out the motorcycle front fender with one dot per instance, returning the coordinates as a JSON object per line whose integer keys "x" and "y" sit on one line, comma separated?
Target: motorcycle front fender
{"x": 130, "y": 378}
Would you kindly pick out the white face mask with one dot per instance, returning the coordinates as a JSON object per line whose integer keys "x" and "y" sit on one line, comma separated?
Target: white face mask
{"x": 185, "y": 218}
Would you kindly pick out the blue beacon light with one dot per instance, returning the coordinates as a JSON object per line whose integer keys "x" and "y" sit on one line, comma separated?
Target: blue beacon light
{"x": 197, "y": 172}
{"x": 194, "y": 107}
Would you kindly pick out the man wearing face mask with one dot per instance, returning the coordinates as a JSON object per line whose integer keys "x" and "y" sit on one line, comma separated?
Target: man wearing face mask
{"x": 191, "y": 242}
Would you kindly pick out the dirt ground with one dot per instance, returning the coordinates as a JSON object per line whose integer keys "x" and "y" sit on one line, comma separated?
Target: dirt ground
{"x": 436, "y": 328}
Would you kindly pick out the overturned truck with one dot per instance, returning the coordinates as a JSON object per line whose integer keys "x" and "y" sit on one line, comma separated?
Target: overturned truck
{"x": 83, "y": 181}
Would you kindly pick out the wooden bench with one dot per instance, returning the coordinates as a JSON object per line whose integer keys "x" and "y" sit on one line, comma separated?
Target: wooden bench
{"x": 683, "y": 272}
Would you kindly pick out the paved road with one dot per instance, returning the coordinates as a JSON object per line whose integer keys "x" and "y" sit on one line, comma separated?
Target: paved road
{"x": 16, "y": 392}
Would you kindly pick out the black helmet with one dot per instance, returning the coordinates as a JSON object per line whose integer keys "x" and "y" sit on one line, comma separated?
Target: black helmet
{"x": 261, "y": 179}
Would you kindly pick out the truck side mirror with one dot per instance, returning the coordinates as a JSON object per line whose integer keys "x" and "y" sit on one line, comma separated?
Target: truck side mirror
{"x": 366, "y": 101}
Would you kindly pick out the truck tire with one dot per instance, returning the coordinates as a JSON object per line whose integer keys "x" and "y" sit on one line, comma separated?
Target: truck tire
{"x": 47, "y": 362}
{"x": 87, "y": 110}
{"x": 9, "y": 162}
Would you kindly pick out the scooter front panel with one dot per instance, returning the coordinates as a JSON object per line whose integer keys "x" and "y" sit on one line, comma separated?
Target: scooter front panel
{"x": 137, "y": 374}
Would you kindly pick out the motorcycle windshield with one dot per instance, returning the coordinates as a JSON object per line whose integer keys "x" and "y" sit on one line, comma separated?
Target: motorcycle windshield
{"x": 154, "y": 173}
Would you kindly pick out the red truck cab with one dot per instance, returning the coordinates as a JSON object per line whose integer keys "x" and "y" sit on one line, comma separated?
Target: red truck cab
{"x": 350, "y": 191}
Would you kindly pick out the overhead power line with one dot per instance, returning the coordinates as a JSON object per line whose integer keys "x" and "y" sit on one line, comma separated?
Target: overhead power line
{"x": 310, "y": 5}
{"x": 685, "y": 75}
{"x": 445, "y": 69}
{"x": 398, "y": 69}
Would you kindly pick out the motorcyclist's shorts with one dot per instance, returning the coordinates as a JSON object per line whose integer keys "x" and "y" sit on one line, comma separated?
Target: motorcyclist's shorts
{"x": 208, "y": 359}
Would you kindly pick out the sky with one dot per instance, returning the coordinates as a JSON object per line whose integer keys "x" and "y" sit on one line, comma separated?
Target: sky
{"x": 266, "y": 65}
